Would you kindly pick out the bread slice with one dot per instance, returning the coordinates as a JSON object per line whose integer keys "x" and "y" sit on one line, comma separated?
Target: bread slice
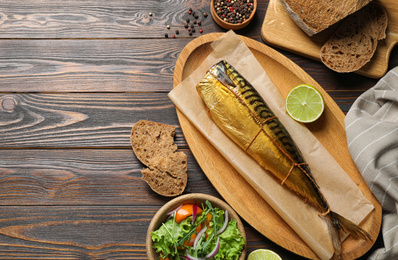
{"x": 355, "y": 41}
{"x": 314, "y": 16}
{"x": 153, "y": 144}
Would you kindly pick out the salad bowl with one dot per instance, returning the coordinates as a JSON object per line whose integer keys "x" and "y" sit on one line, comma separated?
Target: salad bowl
{"x": 162, "y": 215}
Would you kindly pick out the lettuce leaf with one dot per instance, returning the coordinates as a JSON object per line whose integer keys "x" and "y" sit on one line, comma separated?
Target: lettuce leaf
{"x": 232, "y": 242}
{"x": 169, "y": 233}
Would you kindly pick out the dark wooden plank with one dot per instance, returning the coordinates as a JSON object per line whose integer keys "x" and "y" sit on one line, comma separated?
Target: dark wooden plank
{"x": 106, "y": 19}
{"x": 83, "y": 177}
{"x": 80, "y": 120}
{"x": 74, "y": 232}
{"x": 88, "y": 65}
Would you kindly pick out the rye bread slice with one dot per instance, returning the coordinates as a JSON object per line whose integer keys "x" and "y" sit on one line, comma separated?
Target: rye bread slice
{"x": 355, "y": 41}
{"x": 314, "y": 16}
{"x": 153, "y": 144}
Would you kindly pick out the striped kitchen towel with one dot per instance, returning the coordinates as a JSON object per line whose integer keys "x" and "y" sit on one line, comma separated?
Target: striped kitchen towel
{"x": 372, "y": 137}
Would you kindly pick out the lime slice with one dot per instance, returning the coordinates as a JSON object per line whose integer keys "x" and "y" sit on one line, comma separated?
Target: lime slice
{"x": 263, "y": 254}
{"x": 304, "y": 103}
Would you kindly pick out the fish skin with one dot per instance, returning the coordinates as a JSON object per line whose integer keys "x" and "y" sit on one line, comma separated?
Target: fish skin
{"x": 241, "y": 113}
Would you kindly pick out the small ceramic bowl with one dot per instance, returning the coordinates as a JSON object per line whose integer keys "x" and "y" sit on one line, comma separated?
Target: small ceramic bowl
{"x": 232, "y": 26}
{"x": 198, "y": 198}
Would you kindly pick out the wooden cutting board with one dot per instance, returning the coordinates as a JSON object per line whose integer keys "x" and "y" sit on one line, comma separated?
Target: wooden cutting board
{"x": 281, "y": 31}
{"x": 329, "y": 130}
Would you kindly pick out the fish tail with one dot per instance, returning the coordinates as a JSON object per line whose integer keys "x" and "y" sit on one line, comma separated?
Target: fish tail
{"x": 351, "y": 227}
{"x": 335, "y": 223}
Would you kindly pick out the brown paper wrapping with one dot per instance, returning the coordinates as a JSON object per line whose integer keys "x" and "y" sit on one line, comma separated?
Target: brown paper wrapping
{"x": 341, "y": 192}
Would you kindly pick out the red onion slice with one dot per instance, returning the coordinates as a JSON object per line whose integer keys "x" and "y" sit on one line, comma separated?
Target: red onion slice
{"x": 200, "y": 233}
{"x": 215, "y": 250}
{"x": 225, "y": 223}
{"x": 194, "y": 211}
{"x": 175, "y": 210}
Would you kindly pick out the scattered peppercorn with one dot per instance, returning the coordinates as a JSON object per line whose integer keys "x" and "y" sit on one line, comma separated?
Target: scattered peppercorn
{"x": 190, "y": 26}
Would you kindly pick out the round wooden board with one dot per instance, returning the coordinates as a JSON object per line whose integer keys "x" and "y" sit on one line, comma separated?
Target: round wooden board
{"x": 329, "y": 130}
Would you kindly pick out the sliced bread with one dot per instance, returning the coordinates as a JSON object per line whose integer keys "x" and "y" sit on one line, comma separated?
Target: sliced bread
{"x": 314, "y": 16}
{"x": 355, "y": 41}
{"x": 153, "y": 144}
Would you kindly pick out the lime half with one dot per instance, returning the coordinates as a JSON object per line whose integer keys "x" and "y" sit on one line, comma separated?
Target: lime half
{"x": 263, "y": 254}
{"x": 304, "y": 103}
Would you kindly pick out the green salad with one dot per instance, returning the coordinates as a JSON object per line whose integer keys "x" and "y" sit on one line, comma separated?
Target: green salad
{"x": 198, "y": 233}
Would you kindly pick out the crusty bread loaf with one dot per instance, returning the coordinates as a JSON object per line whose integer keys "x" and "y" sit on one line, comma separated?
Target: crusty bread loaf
{"x": 314, "y": 16}
{"x": 153, "y": 144}
{"x": 355, "y": 41}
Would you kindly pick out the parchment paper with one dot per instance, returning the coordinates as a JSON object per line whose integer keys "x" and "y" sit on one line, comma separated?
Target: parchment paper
{"x": 341, "y": 192}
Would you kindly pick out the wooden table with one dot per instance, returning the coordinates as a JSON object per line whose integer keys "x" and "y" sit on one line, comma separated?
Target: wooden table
{"x": 74, "y": 78}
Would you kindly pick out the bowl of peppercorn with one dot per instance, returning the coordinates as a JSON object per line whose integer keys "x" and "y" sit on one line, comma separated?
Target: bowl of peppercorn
{"x": 233, "y": 14}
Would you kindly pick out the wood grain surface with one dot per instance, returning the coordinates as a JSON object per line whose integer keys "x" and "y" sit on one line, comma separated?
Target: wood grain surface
{"x": 74, "y": 78}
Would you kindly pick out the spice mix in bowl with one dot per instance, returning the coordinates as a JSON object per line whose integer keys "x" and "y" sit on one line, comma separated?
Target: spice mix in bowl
{"x": 233, "y": 14}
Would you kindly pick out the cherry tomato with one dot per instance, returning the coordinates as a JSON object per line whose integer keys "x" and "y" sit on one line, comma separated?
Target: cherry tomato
{"x": 185, "y": 211}
{"x": 208, "y": 219}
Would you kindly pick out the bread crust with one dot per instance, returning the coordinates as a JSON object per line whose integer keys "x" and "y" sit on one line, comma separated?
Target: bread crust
{"x": 314, "y": 16}
{"x": 355, "y": 41}
{"x": 153, "y": 144}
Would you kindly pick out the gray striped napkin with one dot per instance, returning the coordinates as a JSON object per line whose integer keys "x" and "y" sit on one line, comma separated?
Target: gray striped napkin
{"x": 372, "y": 137}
